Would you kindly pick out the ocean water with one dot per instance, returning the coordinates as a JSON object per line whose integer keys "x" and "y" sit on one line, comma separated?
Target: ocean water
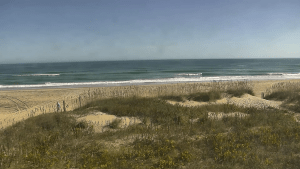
{"x": 114, "y": 73}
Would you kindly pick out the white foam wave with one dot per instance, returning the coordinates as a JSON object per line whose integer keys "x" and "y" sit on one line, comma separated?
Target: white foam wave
{"x": 189, "y": 74}
{"x": 39, "y": 75}
{"x": 284, "y": 74}
{"x": 158, "y": 81}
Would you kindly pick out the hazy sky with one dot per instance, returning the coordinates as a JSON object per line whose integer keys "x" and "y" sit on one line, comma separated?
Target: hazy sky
{"x": 77, "y": 30}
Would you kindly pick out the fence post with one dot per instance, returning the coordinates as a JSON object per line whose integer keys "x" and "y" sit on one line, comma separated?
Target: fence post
{"x": 58, "y": 107}
{"x": 80, "y": 101}
{"x": 64, "y": 106}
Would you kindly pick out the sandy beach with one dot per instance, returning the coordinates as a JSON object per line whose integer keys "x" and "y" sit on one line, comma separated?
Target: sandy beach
{"x": 16, "y": 105}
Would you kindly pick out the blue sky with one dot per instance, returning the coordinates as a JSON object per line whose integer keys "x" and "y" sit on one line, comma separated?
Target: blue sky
{"x": 90, "y": 30}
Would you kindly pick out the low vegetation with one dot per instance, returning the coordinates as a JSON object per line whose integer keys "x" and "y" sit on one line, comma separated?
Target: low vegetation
{"x": 115, "y": 124}
{"x": 170, "y": 136}
{"x": 233, "y": 89}
{"x": 289, "y": 93}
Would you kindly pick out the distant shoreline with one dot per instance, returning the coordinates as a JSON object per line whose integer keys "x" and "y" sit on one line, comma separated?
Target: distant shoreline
{"x": 86, "y": 61}
{"x": 131, "y": 84}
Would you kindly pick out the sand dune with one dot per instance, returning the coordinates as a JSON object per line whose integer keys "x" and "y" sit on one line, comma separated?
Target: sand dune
{"x": 101, "y": 120}
{"x": 17, "y": 105}
{"x": 245, "y": 101}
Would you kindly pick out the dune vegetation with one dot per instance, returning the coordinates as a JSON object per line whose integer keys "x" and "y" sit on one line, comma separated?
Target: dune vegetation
{"x": 170, "y": 136}
{"x": 289, "y": 93}
{"x": 233, "y": 89}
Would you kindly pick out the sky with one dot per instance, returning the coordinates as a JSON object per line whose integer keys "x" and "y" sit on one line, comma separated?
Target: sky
{"x": 99, "y": 30}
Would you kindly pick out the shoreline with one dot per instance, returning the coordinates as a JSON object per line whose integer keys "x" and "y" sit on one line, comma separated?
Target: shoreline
{"x": 144, "y": 82}
{"x": 92, "y": 86}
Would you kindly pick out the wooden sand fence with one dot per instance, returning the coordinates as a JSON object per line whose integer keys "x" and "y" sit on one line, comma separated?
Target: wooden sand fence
{"x": 69, "y": 103}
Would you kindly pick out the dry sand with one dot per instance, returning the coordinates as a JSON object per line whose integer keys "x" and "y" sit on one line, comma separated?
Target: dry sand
{"x": 100, "y": 120}
{"x": 15, "y": 100}
{"x": 16, "y": 105}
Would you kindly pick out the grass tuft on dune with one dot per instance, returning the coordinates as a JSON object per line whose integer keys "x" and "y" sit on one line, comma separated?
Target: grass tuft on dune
{"x": 287, "y": 92}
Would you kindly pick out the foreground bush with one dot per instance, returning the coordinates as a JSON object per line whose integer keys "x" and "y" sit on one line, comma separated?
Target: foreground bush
{"x": 205, "y": 96}
{"x": 286, "y": 92}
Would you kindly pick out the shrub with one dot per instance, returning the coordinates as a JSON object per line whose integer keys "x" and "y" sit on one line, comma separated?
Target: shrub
{"x": 51, "y": 120}
{"x": 286, "y": 92}
{"x": 115, "y": 124}
{"x": 181, "y": 120}
{"x": 81, "y": 125}
{"x": 278, "y": 95}
{"x": 173, "y": 97}
{"x": 203, "y": 118}
{"x": 238, "y": 88}
{"x": 205, "y": 96}
{"x": 239, "y": 92}
{"x": 201, "y": 97}
{"x": 146, "y": 121}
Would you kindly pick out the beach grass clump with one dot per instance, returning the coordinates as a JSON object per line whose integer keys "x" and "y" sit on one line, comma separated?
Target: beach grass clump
{"x": 182, "y": 120}
{"x": 239, "y": 88}
{"x": 115, "y": 124}
{"x": 157, "y": 110}
{"x": 41, "y": 141}
{"x": 239, "y": 92}
{"x": 81, "y": 125}
{"x": 289, "y": 93}
{"x": 215, "y": 92}
{"x": 205, "y": 96}
{"x": 199, "y": 96}
{"x": 146, "y": 121}
{"x": 173, "y": 98}
{"x": 279, "y": 95}
{"x": 284, "y": 91}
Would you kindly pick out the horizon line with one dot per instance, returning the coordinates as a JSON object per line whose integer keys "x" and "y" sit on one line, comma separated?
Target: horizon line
{"x": 143, "y": 60}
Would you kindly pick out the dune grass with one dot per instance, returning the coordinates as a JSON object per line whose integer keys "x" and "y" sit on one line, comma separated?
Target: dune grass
{"x": 115, "y": 124}
{"x": 237, "y": 89}
{"x": 289, "y": 93}
{"x": 267, "y": 138}
{"x": 233, "y": 89}
{"x": 170, "y": 136}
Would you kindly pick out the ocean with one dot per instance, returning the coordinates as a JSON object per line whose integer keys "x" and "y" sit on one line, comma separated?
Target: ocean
{"x": 139, "y": 72}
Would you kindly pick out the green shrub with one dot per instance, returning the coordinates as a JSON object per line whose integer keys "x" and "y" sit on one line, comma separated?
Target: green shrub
{"x": 146, "y": 121}
{"x": 173, "y": 97}
{"x": 201, "y": 97}
{"x": 115, "y": 124}
{"x": 203, "y": 118}
{"x": 52, "y": 120}
{"x": 279, "y": 95}
{"x": 81, "y": 125}
{"x": 286, "y": 92}
{"x": 239, "y": 92}
{"x": 205, "y": 96}
{"x": 182, "y": 120}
